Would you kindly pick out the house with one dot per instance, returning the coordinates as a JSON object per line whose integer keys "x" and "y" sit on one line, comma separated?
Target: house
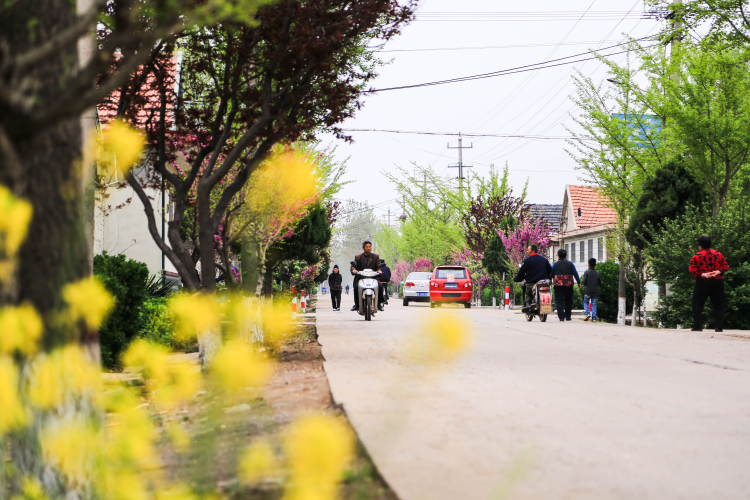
{"x": 586, "y": 222}
{"x": 552, "y": 216}
{"x": 120, "y": 224}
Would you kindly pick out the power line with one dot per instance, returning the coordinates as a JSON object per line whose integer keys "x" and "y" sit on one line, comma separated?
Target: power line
{"x": 528, "y": 45}
{"x": 509, "y": 71}
{"x": 422, "y": 132}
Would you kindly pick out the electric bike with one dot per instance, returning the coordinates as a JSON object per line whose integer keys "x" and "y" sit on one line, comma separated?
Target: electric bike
{"x": 541, "y": 306}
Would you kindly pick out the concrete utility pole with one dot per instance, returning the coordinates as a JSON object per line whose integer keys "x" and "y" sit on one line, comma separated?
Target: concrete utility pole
{"x": 460, "y": 165}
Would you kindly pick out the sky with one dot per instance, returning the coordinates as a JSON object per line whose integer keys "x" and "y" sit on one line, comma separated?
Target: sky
{"x": 483, "y": 36}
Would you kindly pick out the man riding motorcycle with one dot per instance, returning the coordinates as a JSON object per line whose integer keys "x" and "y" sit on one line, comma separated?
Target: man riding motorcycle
{"x": 535, "y": 268}
{"x": 365, "y": 260}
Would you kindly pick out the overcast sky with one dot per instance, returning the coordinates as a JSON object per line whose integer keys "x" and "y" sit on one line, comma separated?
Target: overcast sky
{"x": 530, "y": 103}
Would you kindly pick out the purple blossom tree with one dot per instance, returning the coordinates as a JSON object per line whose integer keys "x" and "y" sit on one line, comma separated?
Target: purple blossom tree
{"x": 528, "y": 233}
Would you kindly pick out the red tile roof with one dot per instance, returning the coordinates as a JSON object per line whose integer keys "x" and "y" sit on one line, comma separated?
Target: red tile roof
{"x": 592, "y": 205}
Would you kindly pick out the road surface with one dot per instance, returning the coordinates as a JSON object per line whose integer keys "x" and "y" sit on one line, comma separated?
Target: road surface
{"x": 544, "y": 410}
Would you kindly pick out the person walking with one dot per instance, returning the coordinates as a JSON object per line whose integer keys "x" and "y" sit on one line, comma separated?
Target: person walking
{"x": 563, "y": 273}
{"x": 385, "y": 278}
{"x": 334, "y": 281}
{"x": 592, "y": 280}
{"x": 708, "y": 268}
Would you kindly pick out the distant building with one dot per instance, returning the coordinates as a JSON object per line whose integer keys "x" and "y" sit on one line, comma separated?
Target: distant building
{"x": 586, "y": 222}
{"x": 552, "y": 216}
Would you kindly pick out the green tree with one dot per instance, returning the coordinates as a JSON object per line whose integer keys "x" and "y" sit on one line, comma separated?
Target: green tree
{"x": 127, "y": 280}
{"x": 665, "y": 196}
{"x": 495, "y": 260}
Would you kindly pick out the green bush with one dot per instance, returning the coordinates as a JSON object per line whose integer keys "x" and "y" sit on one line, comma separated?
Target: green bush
{"x": 157, "y": 322}
{"x": 674, "y": 247}
{"x": 127, "y": 281}
{"x": 606, "y": 304}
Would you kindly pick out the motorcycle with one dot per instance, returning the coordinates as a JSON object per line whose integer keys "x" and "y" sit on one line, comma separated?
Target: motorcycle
{"x": 542, "y": 303}
{"x": 367, "y": 289}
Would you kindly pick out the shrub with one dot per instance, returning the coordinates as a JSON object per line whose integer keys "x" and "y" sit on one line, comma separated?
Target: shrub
{"x": 606, "y": 304}
{"x": 127, "y": 281}
{"x": 157, "y": 322}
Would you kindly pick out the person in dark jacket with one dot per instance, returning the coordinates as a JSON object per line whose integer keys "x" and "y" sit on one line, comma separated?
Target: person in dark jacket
{"x": 334, "y": 281}
{"x": 592, "y": 281}
{"x": 365, "y": 260}
{"x": 563, "y": 274}
{"x": 385, "y": 278}
{"x": 534, "y": 268}
{"x": 708, "y": 268}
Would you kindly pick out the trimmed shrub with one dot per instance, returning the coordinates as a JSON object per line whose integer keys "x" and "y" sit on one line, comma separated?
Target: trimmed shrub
{"x": 127, "y": 281}
{"x": 606, "y": 304}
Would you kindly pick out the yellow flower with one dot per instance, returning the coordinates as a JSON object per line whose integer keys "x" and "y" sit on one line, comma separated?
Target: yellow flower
{"x": 64, "y": 373}
{"x": 21, "y": 328}
{"x": 444, "y": 338}
{"x": 125, "y": 142}
{"x": 194, "y": 313}
{"x": 319, "y": 449}
{"x": 258, "y": 461}
{"x": 235, "y": 367}
{"x": 179, "y": 437}
{"x": 31, "y": 490}
{"x": 13, "y": 414}
{"x": 170, "y": 383}
{"x": 88, "y": 300}
{"x": 15, "y": 215}
{"x": 73, "y": 447}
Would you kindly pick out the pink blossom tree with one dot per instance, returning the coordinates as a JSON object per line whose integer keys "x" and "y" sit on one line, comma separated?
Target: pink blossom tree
{"x": 473, "y": 262}
{"x": 528, "y": 233}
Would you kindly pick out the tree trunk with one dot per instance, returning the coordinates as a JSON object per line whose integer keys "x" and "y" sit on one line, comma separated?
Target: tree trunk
{"x": 249, "y": 266}
{"x": 621, "y": 302}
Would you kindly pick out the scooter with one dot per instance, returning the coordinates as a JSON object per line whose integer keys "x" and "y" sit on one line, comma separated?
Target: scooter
{"x": 542, "y": 304}
{"x": 367, "y": 288}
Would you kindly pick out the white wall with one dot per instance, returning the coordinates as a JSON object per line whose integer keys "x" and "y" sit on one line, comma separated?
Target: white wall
{"x": 125, "y": 230}
{"x": 577, "y": 241}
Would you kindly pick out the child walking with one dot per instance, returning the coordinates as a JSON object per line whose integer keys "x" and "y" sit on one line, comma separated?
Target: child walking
{"x": 592, "y": 281}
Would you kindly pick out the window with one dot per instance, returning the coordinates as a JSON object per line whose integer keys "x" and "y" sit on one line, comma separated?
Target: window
{"x": 591, "y": 249}
{"x": 582, "y": 251}
{"x": 600, "y": 244}
{"x": 458, "y": 273}
{"x": 572, "y": 252}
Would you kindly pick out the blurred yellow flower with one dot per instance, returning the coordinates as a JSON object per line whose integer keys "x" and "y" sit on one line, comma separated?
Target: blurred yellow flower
{"x": 444, "y": 338}
{"x": 31, "y": 490}
{"x": 122, "y": 483}
{"x": 62, "y": 374}
{"x": 194, "y": 313}
{"x": 277, "y": 321}
{"x": 88, "y": 300}
{"x": 179, "y": 436}
{"x": 13, "y": 414}
{"x": 170, "y": 382}
{"x": 258, "y": 461}
{"x": 319, "y": 448}
{"x": 21, "y": 328}
{"x": 177, "y": 492}
{"x": 73, "y": 447}
{"x": 125, "y": 142}
{"x": 236, "y": 366}
{"x": 15, "y": 215}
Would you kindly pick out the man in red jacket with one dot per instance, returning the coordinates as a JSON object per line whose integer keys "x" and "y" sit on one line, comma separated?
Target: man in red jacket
{"x": 708, "y": 267}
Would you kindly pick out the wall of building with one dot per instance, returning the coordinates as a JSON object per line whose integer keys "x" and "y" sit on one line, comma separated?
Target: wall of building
{"x": 121, "y": 226}
{"x": 593, "y": 246}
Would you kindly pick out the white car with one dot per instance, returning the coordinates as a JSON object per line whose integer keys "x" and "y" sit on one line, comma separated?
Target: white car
{"x": 417, "y": 288}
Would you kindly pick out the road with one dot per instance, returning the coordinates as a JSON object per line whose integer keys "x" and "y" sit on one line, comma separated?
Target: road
{"x": 544, "y": 410}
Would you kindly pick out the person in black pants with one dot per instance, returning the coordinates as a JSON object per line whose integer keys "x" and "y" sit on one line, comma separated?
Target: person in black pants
{"x": 708, "y": 268}
{"x": 334, "y": 281}
{"x": 563, "y": 274}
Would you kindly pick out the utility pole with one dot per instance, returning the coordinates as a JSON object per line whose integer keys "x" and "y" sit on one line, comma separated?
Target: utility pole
{"x": 460, "y": 165}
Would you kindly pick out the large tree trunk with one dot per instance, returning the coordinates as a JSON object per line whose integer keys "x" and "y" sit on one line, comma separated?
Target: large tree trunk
{"x": 56, "y": 250}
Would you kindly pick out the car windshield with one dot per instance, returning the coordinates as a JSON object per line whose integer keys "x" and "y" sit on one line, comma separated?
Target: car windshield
{"x": 419, "y": 276}
{"x": 457, "y": 273}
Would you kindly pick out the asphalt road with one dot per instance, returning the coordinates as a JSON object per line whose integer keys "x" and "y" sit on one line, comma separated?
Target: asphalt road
{"x": 544, "y": 410}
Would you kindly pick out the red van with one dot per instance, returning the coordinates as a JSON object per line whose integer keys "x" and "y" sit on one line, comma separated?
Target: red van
{"x": 451, "y": 284}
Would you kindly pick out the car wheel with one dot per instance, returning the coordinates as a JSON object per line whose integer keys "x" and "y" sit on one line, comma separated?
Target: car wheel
{"x": 406, "y": 301}
{"x": 467, "y": 305}
{"x": 432, "y": 305}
